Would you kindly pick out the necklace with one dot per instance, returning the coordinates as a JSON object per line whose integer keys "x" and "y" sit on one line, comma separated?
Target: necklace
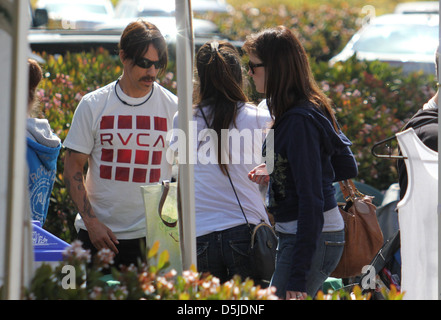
{"x": 128, "y": 104}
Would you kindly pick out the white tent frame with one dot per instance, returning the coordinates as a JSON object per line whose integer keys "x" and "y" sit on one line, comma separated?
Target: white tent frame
{"x": 184, "y": 60}
{"x": 439, "y": 161}
{"x": 16, "y": 231}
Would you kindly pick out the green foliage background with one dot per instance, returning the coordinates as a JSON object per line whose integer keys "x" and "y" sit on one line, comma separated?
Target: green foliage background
{"x": 372, "y": 100}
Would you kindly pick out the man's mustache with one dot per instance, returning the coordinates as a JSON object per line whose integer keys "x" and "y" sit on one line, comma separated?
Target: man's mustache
{"x": 148, "y": 78}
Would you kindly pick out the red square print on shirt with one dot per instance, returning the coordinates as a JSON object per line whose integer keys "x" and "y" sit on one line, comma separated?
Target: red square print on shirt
{"x": 160, "y": 124}
{"x": 124, "y": 122}
{"x": 143, "y": 122}
{"x": 142, "y": 157}
{"x": 156, "y": 157}
{"x": 107, "y": 155}
{"x": 139, "y": 175}
{"x": 122, "y": 174}
{"x": 155, "y": 174}
{"x": 107, "y": 122}
{"x": 106, "y": 172}
{"x": 124, "y": 156}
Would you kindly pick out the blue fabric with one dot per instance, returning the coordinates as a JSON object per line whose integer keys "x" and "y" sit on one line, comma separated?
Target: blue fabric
{"x": 325, "y": 259}
{"x": 309, "y": 155}
{"x": 225, "y": 253}
{"x": 42, "y": 164}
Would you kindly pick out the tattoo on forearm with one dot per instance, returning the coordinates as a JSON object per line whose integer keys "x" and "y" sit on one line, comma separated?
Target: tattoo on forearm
{"x": 87, "y": 207}
{"x": 78, "y": 179}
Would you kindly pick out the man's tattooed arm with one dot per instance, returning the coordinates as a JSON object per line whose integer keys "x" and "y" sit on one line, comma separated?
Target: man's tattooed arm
{"x": 74, "y": 181}
{"x": 100, "y": 235}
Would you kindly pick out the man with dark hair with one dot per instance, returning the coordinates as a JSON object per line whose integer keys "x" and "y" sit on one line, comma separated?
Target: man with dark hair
{"x": 425, "y": 124}
{"x": 120, "y": 130}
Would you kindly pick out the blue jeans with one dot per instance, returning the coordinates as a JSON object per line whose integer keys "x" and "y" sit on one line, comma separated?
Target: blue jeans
{"x": 328, "y": 252}
{"x": 225, "y": 253}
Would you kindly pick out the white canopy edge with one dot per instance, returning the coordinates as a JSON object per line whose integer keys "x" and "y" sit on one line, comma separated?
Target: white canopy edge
{"x": 184, "y": 60}
{"x": 15, "y": 266}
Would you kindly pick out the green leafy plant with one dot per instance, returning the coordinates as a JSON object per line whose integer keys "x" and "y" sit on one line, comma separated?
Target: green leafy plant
{"x": 355, "y": 294}
{"x": 322, "y": 29}
{"x": 372, "y": 102}
{"x": 152, "y": 281}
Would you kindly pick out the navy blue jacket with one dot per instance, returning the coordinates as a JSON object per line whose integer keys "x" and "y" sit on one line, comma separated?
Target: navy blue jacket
{"x": 308, "y": 157}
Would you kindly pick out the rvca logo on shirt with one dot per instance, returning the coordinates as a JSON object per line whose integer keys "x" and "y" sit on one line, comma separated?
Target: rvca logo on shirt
{"x": 132, "y": 147}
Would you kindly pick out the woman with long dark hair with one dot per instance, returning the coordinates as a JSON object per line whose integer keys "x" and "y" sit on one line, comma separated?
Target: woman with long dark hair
{"x": 310, "y": 153}
{"x": 227, "y": 146}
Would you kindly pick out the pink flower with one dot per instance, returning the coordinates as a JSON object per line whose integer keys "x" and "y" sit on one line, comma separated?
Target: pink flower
{"x": 106, "y": 256}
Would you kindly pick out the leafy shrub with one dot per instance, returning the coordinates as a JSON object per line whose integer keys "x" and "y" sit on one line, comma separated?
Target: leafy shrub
{"x": 85, "y": 280}
{"x": 323, "y": 30}
{"x": 152, "y": 281}
{"x": 373, "y": 101}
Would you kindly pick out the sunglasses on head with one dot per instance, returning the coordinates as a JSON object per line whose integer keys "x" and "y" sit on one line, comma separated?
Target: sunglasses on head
{"x": 254, "y": 65}
{"x": 146, "y": 63}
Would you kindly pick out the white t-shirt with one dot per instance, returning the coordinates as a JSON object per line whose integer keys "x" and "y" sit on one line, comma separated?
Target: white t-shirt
{"x": 418, "y": 220}
{"x": 215, "y": 203}
{"x": 127, "y": 147}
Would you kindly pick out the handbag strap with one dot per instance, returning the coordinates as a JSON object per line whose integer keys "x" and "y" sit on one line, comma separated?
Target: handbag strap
{"x": 229, "y": 178}
{"x": 349, "y": 190}
{"x": 165, "y": 190}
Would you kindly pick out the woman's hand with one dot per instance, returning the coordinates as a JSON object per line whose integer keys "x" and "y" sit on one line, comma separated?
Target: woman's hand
{"x": 259, "y": 174}
{"x": 295, "y": 295}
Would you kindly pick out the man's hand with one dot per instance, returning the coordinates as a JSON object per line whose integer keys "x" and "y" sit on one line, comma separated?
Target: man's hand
{"x": 101, "y": 236}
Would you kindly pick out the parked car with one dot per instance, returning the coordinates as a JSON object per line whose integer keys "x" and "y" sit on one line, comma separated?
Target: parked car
{"x": 203, "y": 6}
{"x": 62, "y": 41}
{"x": 162, "y": 14}
{"x": 167, "y": 25}
{"x": 78, "y": 14}
{"x": 38, "y": 17}
{"x": 167, "y": 7}
{"x": 431, "y": 7}
{"x": 407, "y": 41}
{"x": 107, "y": 35}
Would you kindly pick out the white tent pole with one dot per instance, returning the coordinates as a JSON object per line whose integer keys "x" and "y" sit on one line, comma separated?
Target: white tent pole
{"x": 439, "y": 161}
{"x": 14, "y": 244}
{"x": 184, "y": 61}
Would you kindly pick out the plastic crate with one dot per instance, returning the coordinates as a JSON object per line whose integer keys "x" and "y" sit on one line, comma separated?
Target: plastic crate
{"x": 47, "y": 247}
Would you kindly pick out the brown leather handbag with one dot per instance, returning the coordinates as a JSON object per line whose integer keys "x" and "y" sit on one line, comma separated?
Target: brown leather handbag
{"x": 363, "y": 235}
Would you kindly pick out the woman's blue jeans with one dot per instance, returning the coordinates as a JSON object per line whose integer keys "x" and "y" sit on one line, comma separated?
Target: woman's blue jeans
{"x": 225, "y": 253}
{"x": 328, "y": 252}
